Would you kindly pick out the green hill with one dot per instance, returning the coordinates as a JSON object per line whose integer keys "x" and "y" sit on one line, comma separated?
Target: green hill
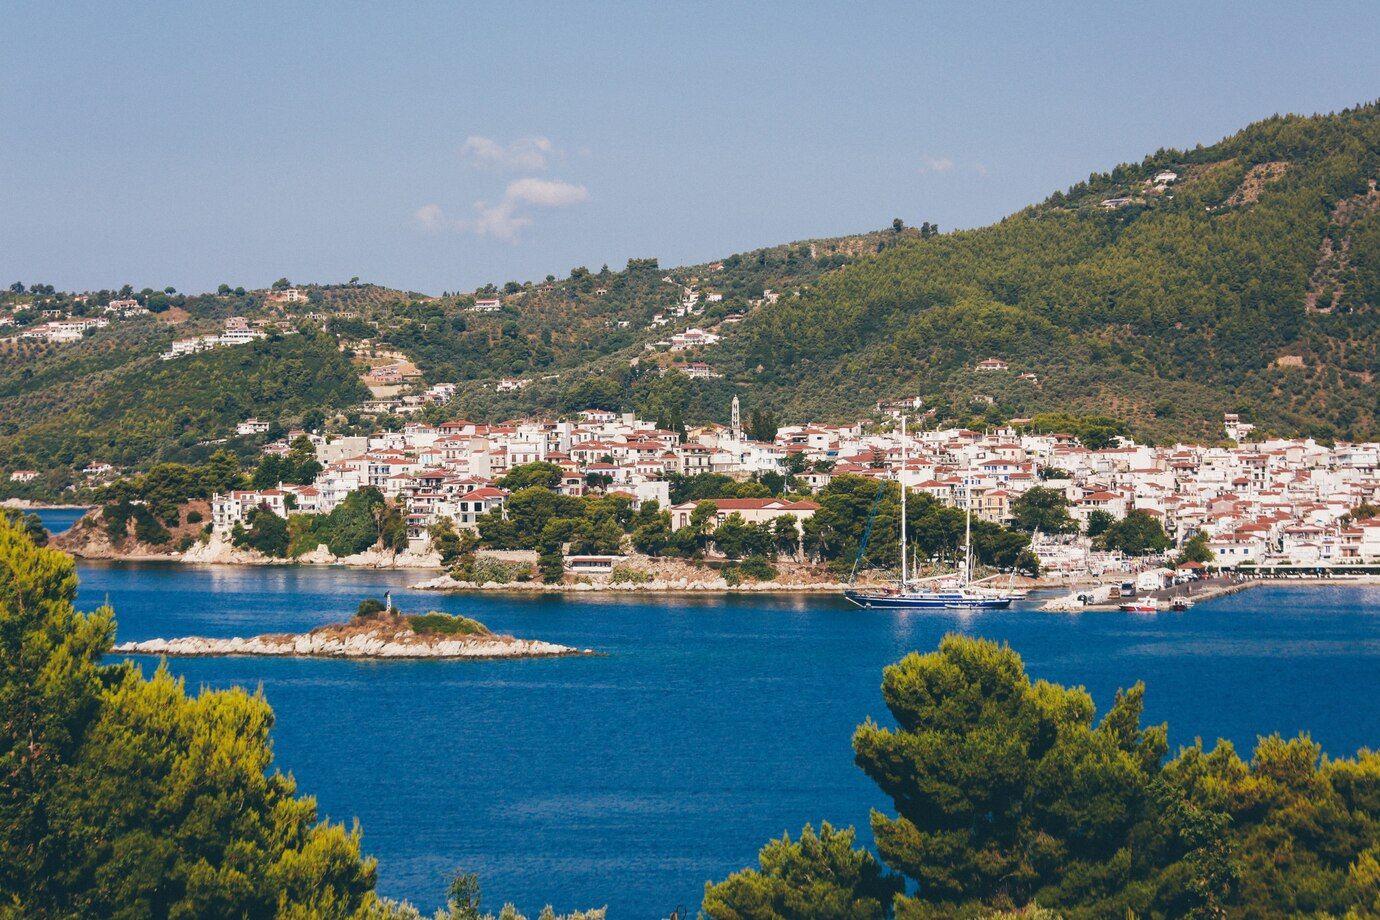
{"x": 576, "y": 321}
{"x": 1251, "y": 284}
{"x": 111, "y": 399}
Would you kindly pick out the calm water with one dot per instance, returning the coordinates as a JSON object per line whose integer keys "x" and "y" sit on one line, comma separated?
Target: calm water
{"x": 711, "y": 725}
{"x": 59, "y": 519}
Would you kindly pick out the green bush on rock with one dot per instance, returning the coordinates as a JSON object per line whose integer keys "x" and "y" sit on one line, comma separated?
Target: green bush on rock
{"x": 442, "y": 624}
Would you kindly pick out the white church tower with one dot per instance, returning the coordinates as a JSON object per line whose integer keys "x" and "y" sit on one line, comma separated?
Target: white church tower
{"x": 737, "y": 424}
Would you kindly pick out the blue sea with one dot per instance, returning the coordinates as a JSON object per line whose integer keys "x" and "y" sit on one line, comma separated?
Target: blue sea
{"x": 710, "y": 724}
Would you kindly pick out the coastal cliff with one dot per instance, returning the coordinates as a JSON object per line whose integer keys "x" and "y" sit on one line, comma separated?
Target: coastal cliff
{"x": 379, "y": 637}
{"x": 88, "y": 540}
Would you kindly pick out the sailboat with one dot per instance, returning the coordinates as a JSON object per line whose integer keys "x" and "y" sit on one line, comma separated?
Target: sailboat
{"x": 960, "y": 596}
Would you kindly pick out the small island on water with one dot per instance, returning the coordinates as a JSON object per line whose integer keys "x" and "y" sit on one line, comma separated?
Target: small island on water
{"x": 377, "y": 631}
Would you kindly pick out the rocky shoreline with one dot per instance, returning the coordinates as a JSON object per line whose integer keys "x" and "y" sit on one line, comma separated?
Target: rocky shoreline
{"x": 655, "y": 586}
{"x": 93, "y": 544}
{"x": 374, "y": 640}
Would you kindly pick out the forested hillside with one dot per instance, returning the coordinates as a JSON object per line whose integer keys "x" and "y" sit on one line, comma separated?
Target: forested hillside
{"x": 569, "y": 322}
{"x": 108, "y": 398}
{"x": 101, "y": 402}
{"x": 1249, "y": 283}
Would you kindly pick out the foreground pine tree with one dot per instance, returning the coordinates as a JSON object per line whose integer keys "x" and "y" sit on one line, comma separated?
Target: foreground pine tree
{"x": 1009, "y": 798}
{"x": 122, "y": 796}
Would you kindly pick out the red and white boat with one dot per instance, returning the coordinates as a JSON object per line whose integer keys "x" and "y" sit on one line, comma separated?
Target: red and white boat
{"x": 1146, "y": 603}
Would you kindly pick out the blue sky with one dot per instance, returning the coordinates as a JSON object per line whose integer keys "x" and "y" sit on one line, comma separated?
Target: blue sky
{"x": 439, "y": 146}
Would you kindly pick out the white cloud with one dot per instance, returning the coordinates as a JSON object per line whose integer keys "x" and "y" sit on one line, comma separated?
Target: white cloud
{"x": 546, "y": 192}
{"x": 506, "y": 219}
{"x": 948, "y": 164}
{"x": 430, "y": 217}
{"x": 525, "y": 153}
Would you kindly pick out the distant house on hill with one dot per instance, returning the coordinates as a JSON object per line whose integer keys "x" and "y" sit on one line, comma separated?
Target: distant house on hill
{"x": 700, "y": 371}
{"x": 486, "y": 305}
{"x": 692, "y": 338}
{"x": 992, "y": 364}
{"x": 287, "y": 295}
{"x": 1236, "y": 429}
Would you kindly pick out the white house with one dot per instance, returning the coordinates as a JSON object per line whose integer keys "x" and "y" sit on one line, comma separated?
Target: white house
{"x": 234, "y": 507}
{"x": 752, "y": 510}
{"x": 692, "y": 338}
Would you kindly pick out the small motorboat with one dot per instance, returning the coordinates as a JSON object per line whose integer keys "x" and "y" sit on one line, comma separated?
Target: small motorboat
{"x": 1180, "y": 604}
{"x": 1146, "y": 603}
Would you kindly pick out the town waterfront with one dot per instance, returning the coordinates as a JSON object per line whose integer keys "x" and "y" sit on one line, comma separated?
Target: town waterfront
{"x": 711, "y": 724}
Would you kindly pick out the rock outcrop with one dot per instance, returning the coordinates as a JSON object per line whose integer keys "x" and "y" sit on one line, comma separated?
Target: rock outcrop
{"x": 369, "y": 639}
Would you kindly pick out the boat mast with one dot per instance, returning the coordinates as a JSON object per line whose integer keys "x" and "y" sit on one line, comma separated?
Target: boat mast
{"x": 904, "y": 574}
{"x": 968, "y": 535}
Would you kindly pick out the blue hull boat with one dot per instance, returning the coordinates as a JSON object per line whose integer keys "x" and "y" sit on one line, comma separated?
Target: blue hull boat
{"x": 928, "y": 600}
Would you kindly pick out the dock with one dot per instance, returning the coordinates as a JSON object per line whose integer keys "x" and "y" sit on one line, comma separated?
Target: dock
{"x": 1098, "y": 598}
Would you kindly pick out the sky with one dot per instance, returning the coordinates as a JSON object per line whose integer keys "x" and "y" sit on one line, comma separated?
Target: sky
{"x": 439, "y": 146}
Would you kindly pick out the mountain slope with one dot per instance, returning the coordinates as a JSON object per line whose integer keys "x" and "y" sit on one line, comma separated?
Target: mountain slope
{"x": 142, "y": 410}
{"x": 1251, "y": 283}
{"x": 108, "y": 397}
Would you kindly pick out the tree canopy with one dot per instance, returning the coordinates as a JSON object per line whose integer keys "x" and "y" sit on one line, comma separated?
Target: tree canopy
{"x": 124, "y": 796}
{"x": 1137, "y": 533}
{"x": 1006, "y": 794}
{"x": 1043, "y": 509}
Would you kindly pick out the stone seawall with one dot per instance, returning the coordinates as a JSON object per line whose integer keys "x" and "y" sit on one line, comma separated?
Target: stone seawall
{"x": 655, "y": 586}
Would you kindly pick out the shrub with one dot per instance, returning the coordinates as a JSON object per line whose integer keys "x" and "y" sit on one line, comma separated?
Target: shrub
{"x": 351, "y": 527}
{"x": 194, "y": 517}
{"x": 627, "y": 575}
{"x": 267, "y": 533}
{"x": 368, "y": 607}
{"x": 755, "y": 568}
{"x": 485, "y": 569}
{"x": 434, "y": 622}
{"x": 148, "y": 529}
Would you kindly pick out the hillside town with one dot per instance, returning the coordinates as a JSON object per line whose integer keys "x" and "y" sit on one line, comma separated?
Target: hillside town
{"x": 1270, "y": 502}
{"x": 57, "y": 323}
